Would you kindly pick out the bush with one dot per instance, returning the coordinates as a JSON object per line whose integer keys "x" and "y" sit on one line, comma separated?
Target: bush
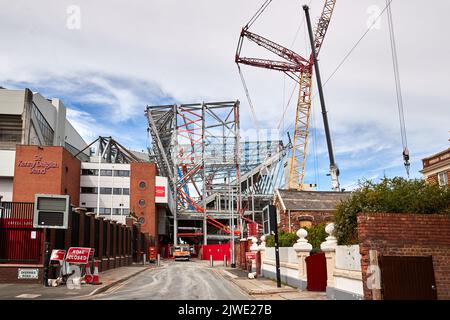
{"x": 316, "y": 235}
{"x": 285, "y": 239}
{"x": 395, "y": 195}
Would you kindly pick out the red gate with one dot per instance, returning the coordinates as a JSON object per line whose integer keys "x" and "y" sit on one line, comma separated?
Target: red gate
{"x": 316, "y": 269}
{"x": 19, "y": 242}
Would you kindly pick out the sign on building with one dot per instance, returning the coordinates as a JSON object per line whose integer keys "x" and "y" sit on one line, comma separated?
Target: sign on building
{"x": 161, "y": 190}
{"x": 51, "y": 211}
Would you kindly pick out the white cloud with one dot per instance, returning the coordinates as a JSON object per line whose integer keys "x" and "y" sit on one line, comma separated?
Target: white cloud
{"x": 186, "y": 50}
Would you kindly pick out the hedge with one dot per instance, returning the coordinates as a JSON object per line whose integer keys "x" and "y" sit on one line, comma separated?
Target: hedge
{"x": 316, "y": 235}
{"x": 396, "y": 195}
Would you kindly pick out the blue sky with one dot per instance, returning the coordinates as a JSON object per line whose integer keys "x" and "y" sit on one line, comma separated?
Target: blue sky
{"x": 160, "y": 52}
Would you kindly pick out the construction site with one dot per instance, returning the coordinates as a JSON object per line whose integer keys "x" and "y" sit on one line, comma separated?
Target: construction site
{"x": 220, "y": 183}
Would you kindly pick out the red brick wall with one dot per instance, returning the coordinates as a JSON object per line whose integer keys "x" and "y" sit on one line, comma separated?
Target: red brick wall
{"x": 407, "y": 235}
{"x": 145, "y": 172}
{"x": 64, "y": 178}
{"x": 317, "y": 218}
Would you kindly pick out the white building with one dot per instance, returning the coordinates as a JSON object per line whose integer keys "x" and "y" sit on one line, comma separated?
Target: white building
{"x": 108, "y": 190}
{"x": 29, "y": 118}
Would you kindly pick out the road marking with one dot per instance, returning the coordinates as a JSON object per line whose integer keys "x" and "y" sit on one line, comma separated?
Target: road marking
{"x": 28, "y": 296}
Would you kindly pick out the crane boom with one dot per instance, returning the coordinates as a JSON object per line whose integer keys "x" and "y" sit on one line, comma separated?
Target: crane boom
{"x": 303, "y": 69}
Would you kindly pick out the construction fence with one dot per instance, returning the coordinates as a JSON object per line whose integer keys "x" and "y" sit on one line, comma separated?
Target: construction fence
{"x": 115, "y": 244}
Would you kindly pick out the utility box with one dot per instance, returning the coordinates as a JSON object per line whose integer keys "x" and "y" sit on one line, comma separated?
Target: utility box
{"x": 51, "y": 211}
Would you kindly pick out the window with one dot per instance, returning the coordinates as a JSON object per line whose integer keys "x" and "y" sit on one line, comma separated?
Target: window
{"x": 105, "y": 190}
{"x": 126, "y": 212}
{"x": 122, "y": 173}
{"x": 89, "y": 172}
{"x": 443, "y": 178}
{"x": 88, "y": 190}
{"x": 117, "y": 191}
{"x": 107, "y": 173}
{"x": 116, "y": 211}
{"x": 103, "y": 211}
{"x": 126, "y": 191}
{"x": 142, "y": 185}
{"x": 142, "y": 202}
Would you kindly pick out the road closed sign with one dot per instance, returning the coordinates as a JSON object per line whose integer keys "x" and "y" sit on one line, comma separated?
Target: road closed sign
{"x": 58, "y": 255}
{"x": 78, "y": 255}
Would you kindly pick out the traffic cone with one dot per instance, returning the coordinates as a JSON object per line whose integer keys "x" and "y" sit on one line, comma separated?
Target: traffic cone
{"x": 88, "y": 275}
{"x": 96, "y": 277}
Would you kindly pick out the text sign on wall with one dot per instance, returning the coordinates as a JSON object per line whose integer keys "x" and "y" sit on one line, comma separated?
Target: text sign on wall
{"x": 28, "y": 273}
{"x": 58, "y": 255}
{"x": 78, "y": 255}
{"x": 161, "y": 190}
{"x": 38, "y": 165}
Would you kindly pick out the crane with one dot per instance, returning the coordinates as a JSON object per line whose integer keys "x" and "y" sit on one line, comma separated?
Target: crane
{"x": 301, "y": 71}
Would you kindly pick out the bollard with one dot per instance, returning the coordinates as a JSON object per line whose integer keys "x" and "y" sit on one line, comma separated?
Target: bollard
{"x": 225, "y": 261}
{"x": 211, "y": 261}
{"x": 144, "y": 260}
{"x": 158, "y": 260}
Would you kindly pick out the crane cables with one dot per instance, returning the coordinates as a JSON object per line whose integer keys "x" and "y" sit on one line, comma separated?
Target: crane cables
{"x": 252, "y": 109}
{"x": 241, "y": 75}
{"x": 398, "y": 88}
{"x": 258, "y": 14}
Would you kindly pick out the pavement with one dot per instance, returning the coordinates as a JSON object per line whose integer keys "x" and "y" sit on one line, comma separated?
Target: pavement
{"x": 266, "y": 289}
{"x": 175, "y": 280}
{"x": 108, "y": 278}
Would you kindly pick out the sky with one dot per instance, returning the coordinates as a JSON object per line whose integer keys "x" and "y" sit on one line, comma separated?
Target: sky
{"x": 107, "y": 60}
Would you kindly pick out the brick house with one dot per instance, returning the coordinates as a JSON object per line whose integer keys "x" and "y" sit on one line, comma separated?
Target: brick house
{"x": 436, "y": 169}
{"x": 298, "y": 209}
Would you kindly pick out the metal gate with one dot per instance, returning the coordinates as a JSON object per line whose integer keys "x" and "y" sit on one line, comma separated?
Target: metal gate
{"x": 316, "y": 269}
{"x": 19, "y": 242}
{"x": 408, "y": 278}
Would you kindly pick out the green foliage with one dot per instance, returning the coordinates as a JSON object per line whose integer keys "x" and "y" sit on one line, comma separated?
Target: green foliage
{"x": 285, "y": 239}
{"x": 395, "y": 195}
{"x": 316, "y": 235}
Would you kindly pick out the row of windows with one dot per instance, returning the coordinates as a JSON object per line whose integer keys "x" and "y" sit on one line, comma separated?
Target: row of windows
{"x": 107, "y": 211}
{"x": 115, "y": 191}
{"x": 105, "y": 172}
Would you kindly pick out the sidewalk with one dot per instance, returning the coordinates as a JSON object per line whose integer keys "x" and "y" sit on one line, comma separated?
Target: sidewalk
{"x": 266, "y": 289}
{"x": 109, "y": 278}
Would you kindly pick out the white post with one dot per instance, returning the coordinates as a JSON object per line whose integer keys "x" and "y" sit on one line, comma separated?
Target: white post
{"x": 303, "y": 249}
{"x": 254, "y": 248}
{"x": 329, "y": 248}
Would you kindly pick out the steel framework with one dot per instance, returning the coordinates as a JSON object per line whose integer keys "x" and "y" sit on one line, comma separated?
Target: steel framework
{"x": 212, "y": 173}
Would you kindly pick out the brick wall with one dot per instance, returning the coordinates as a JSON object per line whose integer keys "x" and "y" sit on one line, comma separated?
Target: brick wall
{"x": 142, "y": 196}
{"x": 46, "y": 170}
{"x": 315, "y": 217}
{"x": 407, "y": 235}
{"x": 434, "y": 178}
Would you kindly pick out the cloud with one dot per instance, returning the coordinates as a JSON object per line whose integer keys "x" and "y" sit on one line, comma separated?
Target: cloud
{"x": 158, "y": 52}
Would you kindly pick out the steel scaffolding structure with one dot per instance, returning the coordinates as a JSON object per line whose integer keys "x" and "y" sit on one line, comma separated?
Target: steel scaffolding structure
{"x": 198, "y": 147}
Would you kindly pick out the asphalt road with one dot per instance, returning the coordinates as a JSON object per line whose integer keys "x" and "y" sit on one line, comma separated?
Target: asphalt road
{"x": 175, "y": 280}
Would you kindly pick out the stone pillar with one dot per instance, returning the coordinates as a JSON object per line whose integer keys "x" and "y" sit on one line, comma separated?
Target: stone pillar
{"x": 303, "y": 249}
{"x": 254, "y": 248}
{"x": 262, "y": 254}
{"x": 329, "y": 248}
